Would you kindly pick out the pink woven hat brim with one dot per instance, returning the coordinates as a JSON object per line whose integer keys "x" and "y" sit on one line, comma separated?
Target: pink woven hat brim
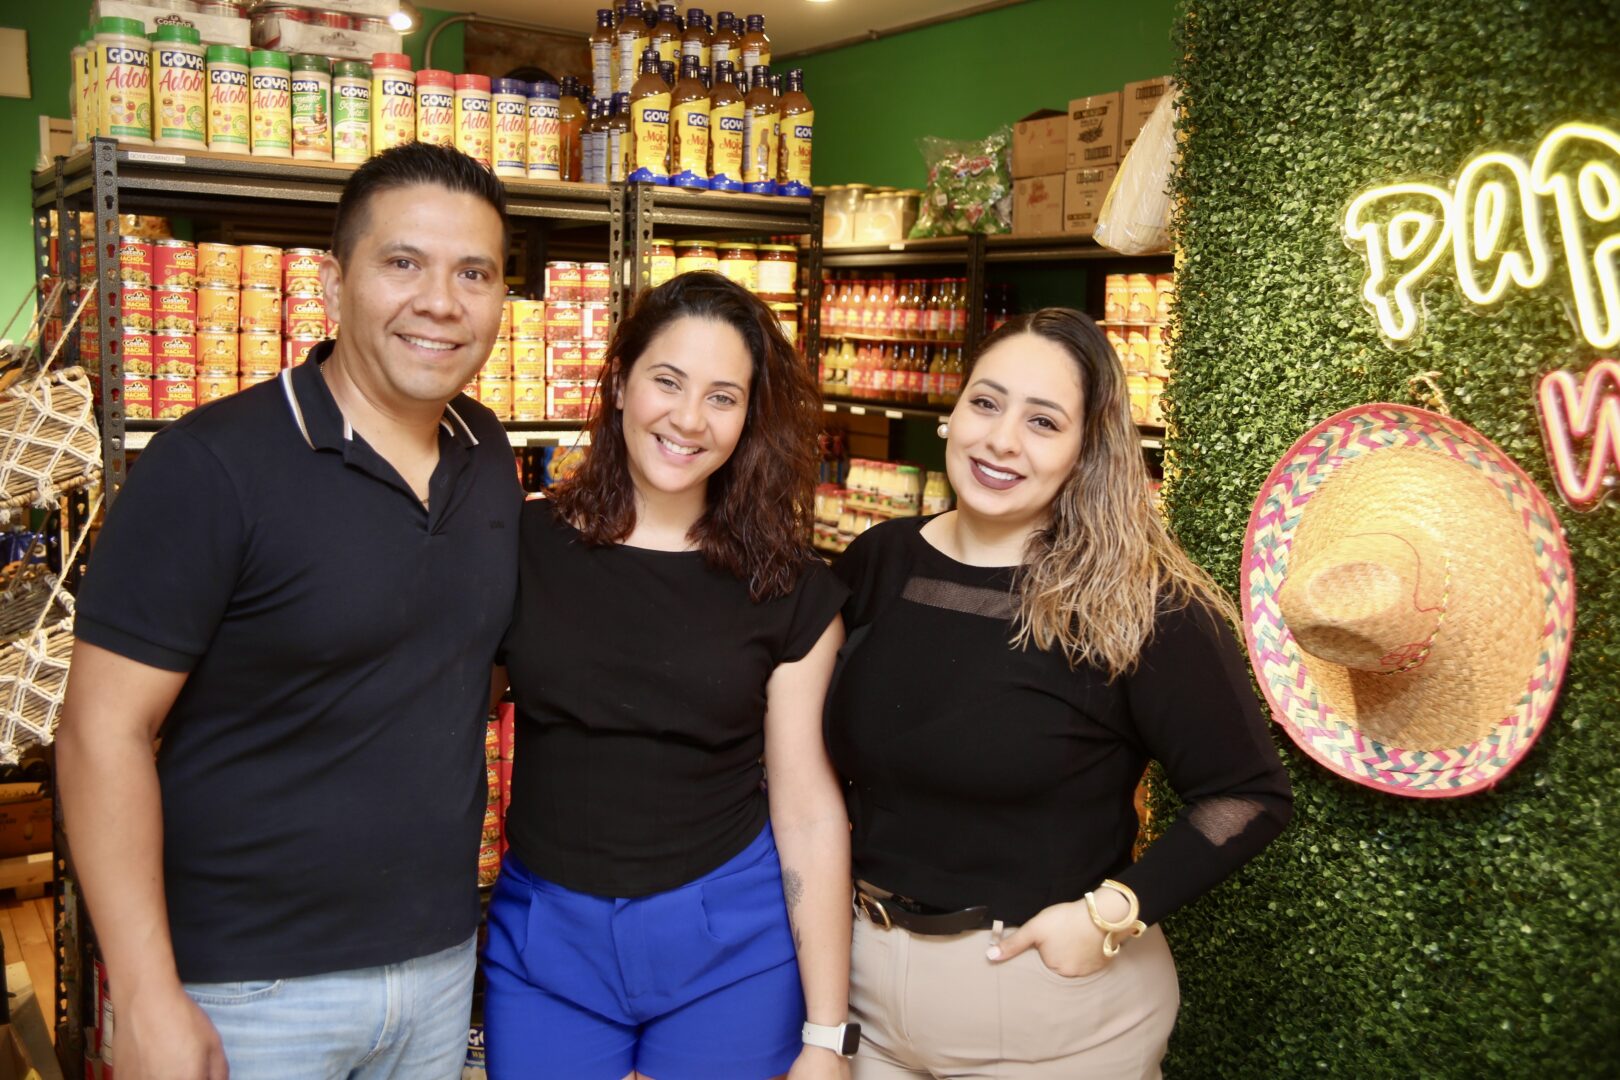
{"x": 1335, "y": 715}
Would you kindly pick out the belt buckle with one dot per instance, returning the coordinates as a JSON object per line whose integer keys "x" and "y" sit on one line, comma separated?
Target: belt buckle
{"x": 871, "y": 904}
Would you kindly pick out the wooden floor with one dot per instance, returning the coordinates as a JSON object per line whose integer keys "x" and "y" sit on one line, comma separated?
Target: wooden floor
{"x": 28, "y": 934}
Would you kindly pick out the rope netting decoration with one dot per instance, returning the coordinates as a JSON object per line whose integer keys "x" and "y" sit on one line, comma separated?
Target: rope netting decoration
{"x": 50, "y": 446}
{"x": 49, "y": 442}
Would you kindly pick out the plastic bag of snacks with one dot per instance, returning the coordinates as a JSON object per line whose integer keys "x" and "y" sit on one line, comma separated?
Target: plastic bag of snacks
{"x": 1135, "y": 217}
{"x": 969, "y": 187}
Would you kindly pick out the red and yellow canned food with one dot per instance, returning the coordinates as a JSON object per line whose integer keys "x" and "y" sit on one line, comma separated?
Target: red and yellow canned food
{"x": 505, "y": 328}
{"x": 1142, "y": 303}
{"x": 246, "y": 379}
{"x": 569, "y": 399}
{"x": 565, "y": 361}
{"x": 529, "y": 399}
{"x": 261, "y": 267}
{"x": 301, "y": 271}
{"x": 595, "y": 322}
{"x": 564, "y": 321}
{"x": 174, "y": 310}
{"x": 596, "y": 283}
{"x": 304, "y": 316}
{"x": 137, "y": 353}
{"x": 296, "y": 349}
{"x": 493, "y": 392}
{"x": 172, "y": 398}
{"x": 217, "y": 352}
{"x": 174, "y": 264}
{"x": 219, "y": 265}
{"x": 138, "y": 397}
{"x": 261, "y": 310}
{"x": 134, "y": 261}
{"x": 174, "y": 355}
{"x": 218, "y": 309}
{"x": 136, "y": 301}
{"x": 528, "y": 359}
{"x": 564, "y": 281}
{"x": 528, "y": 318}
{"x": 259, "y": 352}
{"x": 499, "y": 364}
{"x": 214, "y": 387}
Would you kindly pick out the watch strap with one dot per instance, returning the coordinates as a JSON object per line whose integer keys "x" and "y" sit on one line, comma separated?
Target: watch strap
{"x": 843, "y": 1039}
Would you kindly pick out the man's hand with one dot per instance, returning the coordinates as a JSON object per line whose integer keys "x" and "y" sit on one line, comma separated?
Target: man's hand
{"x": 164, "y": 1035}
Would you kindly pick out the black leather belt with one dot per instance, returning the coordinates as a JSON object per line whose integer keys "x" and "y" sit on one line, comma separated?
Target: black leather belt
{"x": 887, "y": 910}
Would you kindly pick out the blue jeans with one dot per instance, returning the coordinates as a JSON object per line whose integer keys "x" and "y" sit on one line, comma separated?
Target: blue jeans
{"x": 407, "y": 1020}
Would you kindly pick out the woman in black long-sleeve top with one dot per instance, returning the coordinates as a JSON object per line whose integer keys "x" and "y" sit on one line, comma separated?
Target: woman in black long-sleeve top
{"x": 1012, "y": 667}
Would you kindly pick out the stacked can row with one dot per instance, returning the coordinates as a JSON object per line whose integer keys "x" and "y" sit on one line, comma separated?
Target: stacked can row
{"x": 1136, "y": 315}
{"x": 170, "y": 90}
{"x": 201, "y": 321}
{"x": 548, "y": 354}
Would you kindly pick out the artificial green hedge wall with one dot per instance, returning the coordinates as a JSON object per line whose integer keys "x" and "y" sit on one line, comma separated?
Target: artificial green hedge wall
{"x": 1385, "y": 937}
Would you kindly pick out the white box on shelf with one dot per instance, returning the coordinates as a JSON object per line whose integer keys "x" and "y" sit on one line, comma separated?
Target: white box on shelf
{"x": 296, "y": 37}
{"x": 364, "y": 9}
{"x": 214, "y": 29}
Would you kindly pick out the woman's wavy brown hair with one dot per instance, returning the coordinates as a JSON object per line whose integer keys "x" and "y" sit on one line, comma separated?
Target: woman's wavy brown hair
{"x": 758, "y": 520}
{"x": 1094, "y": 580}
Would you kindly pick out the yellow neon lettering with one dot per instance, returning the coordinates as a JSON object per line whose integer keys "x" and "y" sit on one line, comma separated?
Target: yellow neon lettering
{"x": 1587, "y": 195}
{"x": 1487, "y": 188}
{"x": 1401, "y": 230}
{"x": 1492, "y": 221}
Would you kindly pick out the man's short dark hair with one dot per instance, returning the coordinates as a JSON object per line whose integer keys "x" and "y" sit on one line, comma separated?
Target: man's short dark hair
{"x": 405, "y": 166}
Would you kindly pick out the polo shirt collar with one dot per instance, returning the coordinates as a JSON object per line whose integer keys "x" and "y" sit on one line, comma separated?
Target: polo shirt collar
{"x": 322, "y": 424}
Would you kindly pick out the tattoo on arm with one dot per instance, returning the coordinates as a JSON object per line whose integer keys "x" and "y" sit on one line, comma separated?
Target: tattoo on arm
{"x": 793, "y": 892}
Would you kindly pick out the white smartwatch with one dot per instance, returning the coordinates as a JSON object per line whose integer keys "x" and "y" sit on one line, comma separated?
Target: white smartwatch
{"x": 843, "y": 1039}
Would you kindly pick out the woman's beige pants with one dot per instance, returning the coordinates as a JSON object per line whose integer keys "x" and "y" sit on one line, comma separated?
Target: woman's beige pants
{"x": 936, "y": 1007}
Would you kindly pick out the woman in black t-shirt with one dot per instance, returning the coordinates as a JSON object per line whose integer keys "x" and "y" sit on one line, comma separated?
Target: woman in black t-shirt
{"x": 672, "y": 627}
{"x": 1011, "y": 668}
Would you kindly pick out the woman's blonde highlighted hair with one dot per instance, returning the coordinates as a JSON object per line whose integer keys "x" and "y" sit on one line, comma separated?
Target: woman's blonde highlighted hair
{"x": 1094, "y": 580}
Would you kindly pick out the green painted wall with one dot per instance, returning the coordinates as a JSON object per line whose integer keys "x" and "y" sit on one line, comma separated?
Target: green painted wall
{"x": 448, "y": 51}
{"x": 965, "y": 78}
{"x": 53, "y": 29}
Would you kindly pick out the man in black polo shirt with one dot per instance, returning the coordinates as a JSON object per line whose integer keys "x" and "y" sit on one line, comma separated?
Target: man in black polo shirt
{"x": 301, "y": 591}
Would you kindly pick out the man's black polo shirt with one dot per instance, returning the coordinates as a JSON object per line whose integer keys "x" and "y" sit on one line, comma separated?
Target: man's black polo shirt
{"x": 322, "y": 770}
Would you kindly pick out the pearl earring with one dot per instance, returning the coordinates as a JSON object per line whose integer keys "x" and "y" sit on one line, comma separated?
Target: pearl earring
{"x": 944, "y": 429}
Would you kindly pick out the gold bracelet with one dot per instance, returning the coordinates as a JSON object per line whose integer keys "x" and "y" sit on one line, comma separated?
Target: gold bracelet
{"x": 1130, "y": 925}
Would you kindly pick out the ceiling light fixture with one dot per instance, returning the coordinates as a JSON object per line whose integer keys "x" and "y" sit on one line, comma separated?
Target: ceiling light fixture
{"x": 406, "y": 19}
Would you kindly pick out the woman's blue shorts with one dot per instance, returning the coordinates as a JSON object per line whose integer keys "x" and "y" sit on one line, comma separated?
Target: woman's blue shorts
{"x": 697, "y": 983}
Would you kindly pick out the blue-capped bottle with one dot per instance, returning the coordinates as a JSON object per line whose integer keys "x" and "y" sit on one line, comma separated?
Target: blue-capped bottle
{"x": 727, "y": 130}
{"x": 649, "y": 124}
{"x": 798, "y": 132}
{"x": 759, "y": 136}
{"x": 689, "y": 129}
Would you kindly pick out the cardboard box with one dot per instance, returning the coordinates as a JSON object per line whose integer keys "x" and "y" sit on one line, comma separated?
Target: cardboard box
{"x": 1083, "y": 193}
{"x": 1040, "y": 145}
{"x": 1138, "y": 100}
{"x": 25, "y": 827}
{"x": 1038, "y": 205}
{"x": 215, "y": 29}
{"x": 296, "y": 37}
{"x": 1094, "y": 131}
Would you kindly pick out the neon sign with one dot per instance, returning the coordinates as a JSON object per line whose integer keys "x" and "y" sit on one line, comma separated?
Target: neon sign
{"x": 1490, "y": 221}
{"x": 1579, "y": 415}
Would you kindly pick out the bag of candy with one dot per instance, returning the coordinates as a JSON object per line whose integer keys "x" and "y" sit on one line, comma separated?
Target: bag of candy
{"x": 969, "y": 186}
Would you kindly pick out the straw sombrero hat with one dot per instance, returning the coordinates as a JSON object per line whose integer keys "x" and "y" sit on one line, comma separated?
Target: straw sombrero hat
{"x": 1407, "y": 601}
